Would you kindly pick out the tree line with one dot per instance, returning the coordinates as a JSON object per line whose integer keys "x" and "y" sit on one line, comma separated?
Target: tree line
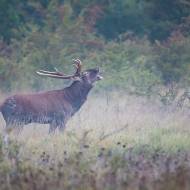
{"x": 137, "y": 43}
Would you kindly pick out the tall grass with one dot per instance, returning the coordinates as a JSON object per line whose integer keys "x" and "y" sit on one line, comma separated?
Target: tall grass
{"x": 115, "y": 142}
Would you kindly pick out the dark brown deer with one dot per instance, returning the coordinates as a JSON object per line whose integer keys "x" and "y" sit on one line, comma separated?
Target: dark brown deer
{"x": 53, "y": 107}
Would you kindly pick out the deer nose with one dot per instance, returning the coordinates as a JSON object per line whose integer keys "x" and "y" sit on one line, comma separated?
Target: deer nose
{"x": 99, "y": 77}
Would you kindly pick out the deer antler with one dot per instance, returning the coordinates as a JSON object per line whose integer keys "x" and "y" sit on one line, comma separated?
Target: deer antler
{"x": 78, "y": 65}
{"x": 56, "y": 74}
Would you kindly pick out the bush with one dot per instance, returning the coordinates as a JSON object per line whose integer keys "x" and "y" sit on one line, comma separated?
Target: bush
{"x": 174, "y": 58}
{"x": 129, "y": 65}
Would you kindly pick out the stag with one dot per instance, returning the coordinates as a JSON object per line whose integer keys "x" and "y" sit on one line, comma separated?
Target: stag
{"x": 54, "y": 107}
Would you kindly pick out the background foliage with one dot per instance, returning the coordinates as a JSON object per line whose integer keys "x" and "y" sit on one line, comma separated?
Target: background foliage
{"x": 116, "y": 141}
{"x": 138, "y": 44}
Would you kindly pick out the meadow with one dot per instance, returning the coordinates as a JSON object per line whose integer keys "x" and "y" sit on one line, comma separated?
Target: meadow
{"x": 116, "y": 141}
{"x": 133, "y": 132}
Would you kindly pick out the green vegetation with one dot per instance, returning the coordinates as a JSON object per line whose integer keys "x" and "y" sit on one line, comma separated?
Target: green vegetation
{"x": 138, "y": 44}
{"x": 117, "y": 141}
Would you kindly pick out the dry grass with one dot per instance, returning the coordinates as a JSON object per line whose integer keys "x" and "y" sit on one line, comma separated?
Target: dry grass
{"x": 116, "y": 142}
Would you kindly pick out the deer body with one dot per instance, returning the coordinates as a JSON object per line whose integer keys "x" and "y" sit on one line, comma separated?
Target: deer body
{"x": 52, "y": 107}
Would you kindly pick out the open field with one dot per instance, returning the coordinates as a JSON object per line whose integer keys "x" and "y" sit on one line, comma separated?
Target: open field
{"x": 114, "y": 142}
{"x": 133, "y": 133}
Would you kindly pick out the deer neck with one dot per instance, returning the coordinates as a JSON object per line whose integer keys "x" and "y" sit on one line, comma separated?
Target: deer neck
{"x": 77, "y": 93}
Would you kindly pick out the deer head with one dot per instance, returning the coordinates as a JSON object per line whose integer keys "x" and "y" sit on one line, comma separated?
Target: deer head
{"x": 89, "y": 76}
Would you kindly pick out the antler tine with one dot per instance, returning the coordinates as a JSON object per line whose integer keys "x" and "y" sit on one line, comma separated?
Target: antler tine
{"x": 56, "y": 72}
{"x": 53, "y": 75}
{"x": 78, "y": 65}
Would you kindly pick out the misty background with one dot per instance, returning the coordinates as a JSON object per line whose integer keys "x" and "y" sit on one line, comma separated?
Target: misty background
{"x": 141, "y": 46}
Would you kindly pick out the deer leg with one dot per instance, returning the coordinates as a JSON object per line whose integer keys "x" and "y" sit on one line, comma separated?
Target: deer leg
{"x": 52, "y": 128}
{"x": 7, "y": 130}
{"x": 61, "y": 127}
{"x": 18, "y": 129}
{"x": 11, "y": 126}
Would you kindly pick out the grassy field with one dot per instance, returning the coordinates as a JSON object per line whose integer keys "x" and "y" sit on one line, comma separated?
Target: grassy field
{"x": 114, "y": 142}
